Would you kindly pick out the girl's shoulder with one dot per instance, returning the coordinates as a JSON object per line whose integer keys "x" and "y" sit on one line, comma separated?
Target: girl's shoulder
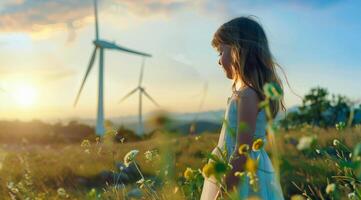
{"x": 247, "y": 97}
{"x": 246, "y": 92}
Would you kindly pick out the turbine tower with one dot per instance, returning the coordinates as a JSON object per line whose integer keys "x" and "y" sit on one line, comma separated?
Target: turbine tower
{"x": 140, "y": 129}
{"x": 101, "y": 45}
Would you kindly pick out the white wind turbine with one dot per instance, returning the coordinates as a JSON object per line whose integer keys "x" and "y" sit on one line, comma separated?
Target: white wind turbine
{"x": 140, "y": 129}
{"x": 101, "y": 45}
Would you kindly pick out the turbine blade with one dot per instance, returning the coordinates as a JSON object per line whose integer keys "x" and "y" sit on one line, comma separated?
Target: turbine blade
{"x": 141, "y": 72}
{"x": 86, "y": 74}
{"x": 108, "y": 45}
{"x": 150, "y": 98}
{"x": 96, "y": 19}
{"x": 127, "y": 95}
{"x": 131, "y": 51}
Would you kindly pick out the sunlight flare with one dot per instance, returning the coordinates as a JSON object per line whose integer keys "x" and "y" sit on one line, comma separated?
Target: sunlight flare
{"x": 25, "y": 95}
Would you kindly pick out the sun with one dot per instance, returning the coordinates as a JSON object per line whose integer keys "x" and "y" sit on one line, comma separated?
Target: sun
{"x": 25, "y": 95}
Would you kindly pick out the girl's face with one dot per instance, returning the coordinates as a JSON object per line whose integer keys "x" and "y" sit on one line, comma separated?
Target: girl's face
{"x": 225, "y": 60}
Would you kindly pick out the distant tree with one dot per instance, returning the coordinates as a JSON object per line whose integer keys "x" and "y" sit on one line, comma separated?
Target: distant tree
{"x": 318, "y": 110}
{"x": 314, "y": 104}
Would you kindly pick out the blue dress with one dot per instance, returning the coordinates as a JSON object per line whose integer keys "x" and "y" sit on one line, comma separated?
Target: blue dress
{"x": 269, "y": 187}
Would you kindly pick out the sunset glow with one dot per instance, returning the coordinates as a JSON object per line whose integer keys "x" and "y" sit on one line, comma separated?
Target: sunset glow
{"x": 25, "y": 95}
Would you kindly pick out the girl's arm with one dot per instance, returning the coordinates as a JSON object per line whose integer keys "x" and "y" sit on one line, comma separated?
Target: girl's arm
{"x": 247, "y": 112}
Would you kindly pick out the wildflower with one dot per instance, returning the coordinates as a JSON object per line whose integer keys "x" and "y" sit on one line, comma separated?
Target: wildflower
{"x": 62, "y": 193}
{"x": 305, "y": 143}
{"x": 243, "y": 149}
{"x": 297, "y": 197}
{"x": 11, "y": 186}
{"x": 208, "y": 169}
{"x": 175, "y": 190}
{"x": 240, "y": 174}
{"x": 92, "y": 193}
{"x": 141, "y": 181}
{"x": 188, "y": 174}
{"x": 257, "y": 145}
{"x": 251, "y": 165}
{"x": 336, "y": 142}
{"x": 351, "y": 195}
{"x": 151, "y": 155}
{"x": 130, "y": 156}
{"x": 340, "y": 126}
{"x": 330, "y": 188}
{"x": 85, "y": 144}
{"x": 273, "y": 91}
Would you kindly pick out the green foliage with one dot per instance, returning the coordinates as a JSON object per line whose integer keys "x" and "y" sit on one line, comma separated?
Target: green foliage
{"x": 319, "y": 110}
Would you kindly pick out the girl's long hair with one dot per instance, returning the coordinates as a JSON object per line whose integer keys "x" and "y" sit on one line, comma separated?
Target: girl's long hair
{"x": 252, "y": 61}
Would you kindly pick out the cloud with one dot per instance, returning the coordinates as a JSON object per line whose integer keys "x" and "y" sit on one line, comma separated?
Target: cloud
{"x": 154, "y": 7}
{"x": 49, "y": 15}
{"x": 39, "y": 15}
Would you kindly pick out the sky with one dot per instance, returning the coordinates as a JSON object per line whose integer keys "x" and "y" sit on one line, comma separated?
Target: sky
{"x": 45, "y": 47}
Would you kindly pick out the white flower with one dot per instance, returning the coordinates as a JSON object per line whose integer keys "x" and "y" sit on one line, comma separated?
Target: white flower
{"x": 150, "y": 155}
{"x": 12, "y": 187}
{"x": 61, "y": 192}
{"x": 140, "y": 181}
{"x": 336, "y": 142}
{"x": 330, "y": 188}
{"x": 130, "y": 156}
{"x": 305, "y": 142}
{"x": 351, "y": 195}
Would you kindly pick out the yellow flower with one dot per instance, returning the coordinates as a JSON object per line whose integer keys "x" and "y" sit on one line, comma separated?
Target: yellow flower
{"x": 188, "y": 173}
{"x": 257, "y": 145}
{"x": 330, "y": 188}
{"x": 208, "y": 169}
{"x": 297, "y": 197}
{"x": 240, "y": 174}
{"x": 243, "y": 149}
{"x": 251, "y": 165}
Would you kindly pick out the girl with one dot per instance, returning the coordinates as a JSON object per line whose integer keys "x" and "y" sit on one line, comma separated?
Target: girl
{"x": 246, "y": 59}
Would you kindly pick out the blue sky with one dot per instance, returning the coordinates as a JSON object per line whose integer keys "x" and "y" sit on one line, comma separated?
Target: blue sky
{"x": 47, "y": 45}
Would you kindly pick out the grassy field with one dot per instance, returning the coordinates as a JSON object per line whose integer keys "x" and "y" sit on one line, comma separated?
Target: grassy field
{"x": 86, "y": 170}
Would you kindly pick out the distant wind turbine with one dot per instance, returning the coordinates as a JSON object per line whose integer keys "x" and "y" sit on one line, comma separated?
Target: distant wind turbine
{"x": 192, "y": 128}
{"x": 101, "y": 45}
{"x": 140, "y": 129}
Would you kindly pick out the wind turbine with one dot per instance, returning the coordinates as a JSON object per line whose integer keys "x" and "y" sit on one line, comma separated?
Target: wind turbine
{"x": 192, "y": 128}
{"x": 142, "y": 91}
{"x": 101, "y": 45}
